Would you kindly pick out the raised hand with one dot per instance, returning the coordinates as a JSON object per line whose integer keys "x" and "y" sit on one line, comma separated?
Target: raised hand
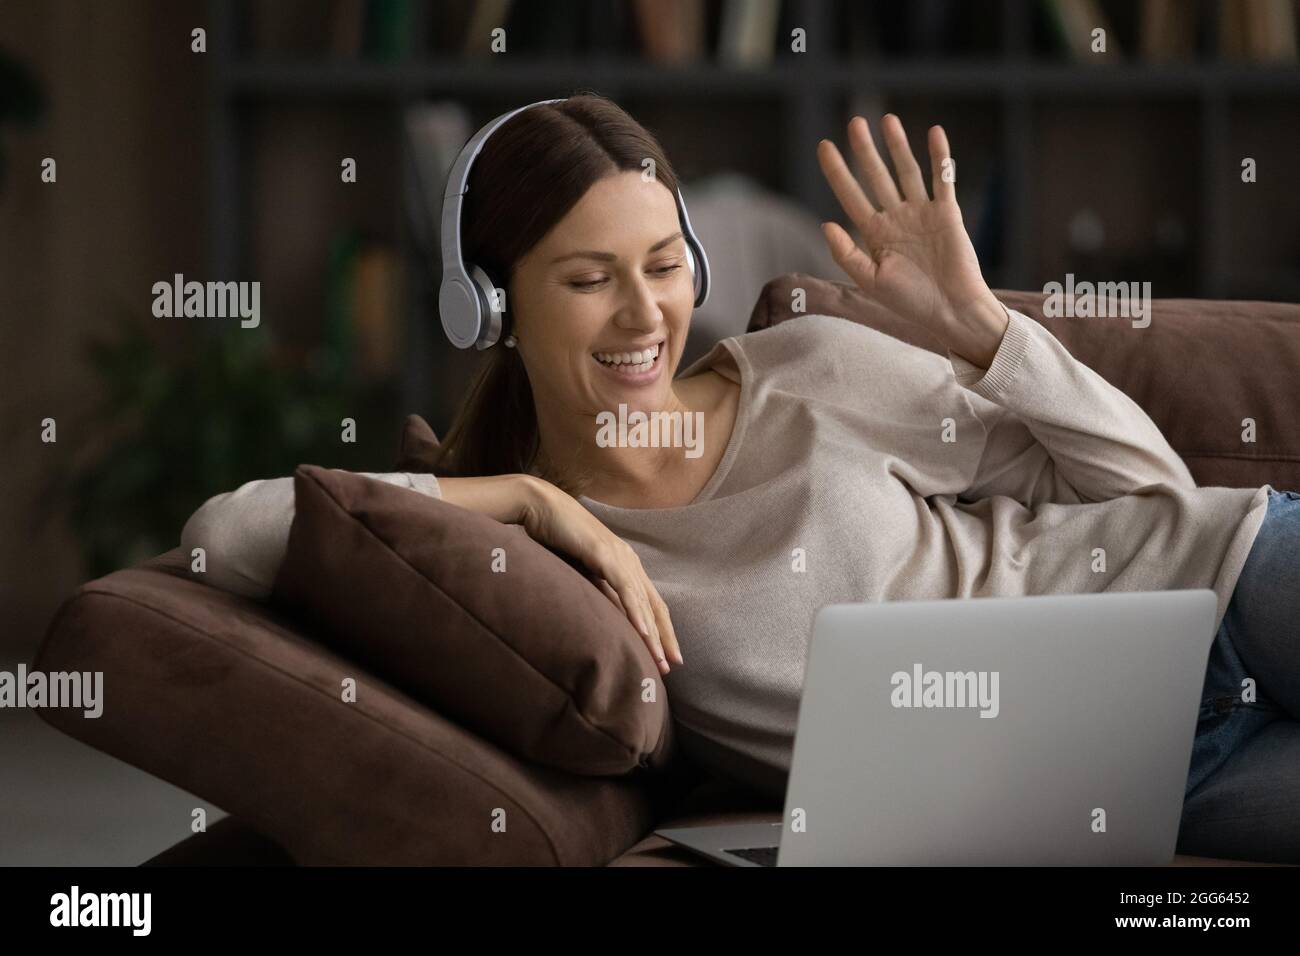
{"x": 916, "y": 258}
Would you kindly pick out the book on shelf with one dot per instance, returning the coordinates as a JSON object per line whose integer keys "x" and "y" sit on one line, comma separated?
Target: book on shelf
{"x": 670, "y": 31}
{"x": 348, "y": 29}
{"x": 1258, "y": 31}
{"x": 1072, "y": 23}
{"x": 387, "y": 31}
{"x": 448, "y": 27}
{"x": 374, "y": 304}
{"x": 362, "y": 332}
{"x": 487, "y": 16}
{"x": 1168, "y": 30}
{"x": 747, "y": 34}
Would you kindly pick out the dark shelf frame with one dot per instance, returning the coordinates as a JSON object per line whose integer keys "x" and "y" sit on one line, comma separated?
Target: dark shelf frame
{"x": 810, "y": 95}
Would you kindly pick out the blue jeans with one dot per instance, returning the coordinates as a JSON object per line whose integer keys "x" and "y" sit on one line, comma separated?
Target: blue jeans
{"x": 1243, "y": 788}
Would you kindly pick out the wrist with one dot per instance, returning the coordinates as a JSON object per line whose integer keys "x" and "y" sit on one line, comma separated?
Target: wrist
{"x": 980, "y": 329}
{"x": 531, "y": 494}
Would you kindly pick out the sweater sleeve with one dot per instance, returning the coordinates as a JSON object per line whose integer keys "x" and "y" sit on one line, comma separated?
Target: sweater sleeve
{"x": 1056, "y": 430}
{"x": 245, "y": 533}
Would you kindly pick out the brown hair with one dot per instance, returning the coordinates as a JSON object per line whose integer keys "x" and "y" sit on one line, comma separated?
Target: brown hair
{"x": 527, "y": 177}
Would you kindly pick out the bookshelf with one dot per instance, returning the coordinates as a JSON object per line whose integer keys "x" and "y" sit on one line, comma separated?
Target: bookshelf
{"x": 1135, "y": 138}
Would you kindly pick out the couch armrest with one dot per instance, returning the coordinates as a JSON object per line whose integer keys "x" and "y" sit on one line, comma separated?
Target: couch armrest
{"x": 219, "y": 695}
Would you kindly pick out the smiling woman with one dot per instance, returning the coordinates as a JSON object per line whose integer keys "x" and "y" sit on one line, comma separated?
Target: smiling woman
{"x": 598, "y": 282}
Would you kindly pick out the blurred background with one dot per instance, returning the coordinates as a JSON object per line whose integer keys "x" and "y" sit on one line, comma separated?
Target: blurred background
{"x": 220, "y": 165}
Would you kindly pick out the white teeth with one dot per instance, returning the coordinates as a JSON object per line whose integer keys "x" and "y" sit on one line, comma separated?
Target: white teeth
{"x": 640, "y": 360}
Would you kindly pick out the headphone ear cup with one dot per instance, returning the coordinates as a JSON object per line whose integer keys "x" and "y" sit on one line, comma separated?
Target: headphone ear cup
{"x": 489, "y": 308}
{"x": 695, "y": 272}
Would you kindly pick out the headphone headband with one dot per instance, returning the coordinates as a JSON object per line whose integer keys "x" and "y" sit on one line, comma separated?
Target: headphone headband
{"x": 466, "y": 299}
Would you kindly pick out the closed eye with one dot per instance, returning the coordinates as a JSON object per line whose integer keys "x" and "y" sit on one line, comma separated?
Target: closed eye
{"x": 662, "y": 272}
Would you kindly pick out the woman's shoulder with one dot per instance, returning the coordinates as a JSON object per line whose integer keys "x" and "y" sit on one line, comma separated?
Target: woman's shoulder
{"x": 819, "y": 349}
{"x": 815, "y": 326}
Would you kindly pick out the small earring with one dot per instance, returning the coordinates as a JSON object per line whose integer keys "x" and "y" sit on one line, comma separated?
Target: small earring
{"x": 509, "y": 341}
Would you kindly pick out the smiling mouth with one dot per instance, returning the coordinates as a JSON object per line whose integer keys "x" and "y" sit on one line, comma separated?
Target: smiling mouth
{"x": 642, "y": 360}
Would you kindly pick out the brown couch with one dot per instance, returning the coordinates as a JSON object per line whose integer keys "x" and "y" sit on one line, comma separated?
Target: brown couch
{"x": 223, "y": 697}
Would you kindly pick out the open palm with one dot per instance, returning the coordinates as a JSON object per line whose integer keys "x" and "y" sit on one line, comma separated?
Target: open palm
{"x": 916, "y": 258}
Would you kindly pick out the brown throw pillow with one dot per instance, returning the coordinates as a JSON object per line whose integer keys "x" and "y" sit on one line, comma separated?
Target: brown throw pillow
{"x": 419, "y": 444}
{"x": 533, "y": 658}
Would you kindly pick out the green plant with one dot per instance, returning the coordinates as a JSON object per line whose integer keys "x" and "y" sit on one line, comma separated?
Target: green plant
{"x": 173, "y": 430}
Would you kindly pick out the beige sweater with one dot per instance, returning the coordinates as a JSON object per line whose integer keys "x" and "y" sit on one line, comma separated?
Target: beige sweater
{"x": 861, "y": 468}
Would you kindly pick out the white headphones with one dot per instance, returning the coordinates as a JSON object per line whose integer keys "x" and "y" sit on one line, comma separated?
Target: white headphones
{"x": 467, "y": 301}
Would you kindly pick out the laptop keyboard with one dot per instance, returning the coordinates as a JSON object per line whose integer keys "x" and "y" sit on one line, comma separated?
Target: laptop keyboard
{"x": 762, "y": 855}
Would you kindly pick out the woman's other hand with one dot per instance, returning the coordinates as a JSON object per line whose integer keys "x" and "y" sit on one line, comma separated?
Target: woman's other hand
{"x": 555, "y": 519}
{"x": 916, "y": 258}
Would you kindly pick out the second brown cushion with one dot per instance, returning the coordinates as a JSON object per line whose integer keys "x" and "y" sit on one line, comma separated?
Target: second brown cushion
{"x": 533, "y": 658}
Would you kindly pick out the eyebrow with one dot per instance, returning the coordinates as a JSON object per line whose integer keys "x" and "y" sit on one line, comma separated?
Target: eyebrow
{"x": 609, "y": 256}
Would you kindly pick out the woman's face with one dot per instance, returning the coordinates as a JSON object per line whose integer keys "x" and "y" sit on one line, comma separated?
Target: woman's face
{"x": 610, "y": 279}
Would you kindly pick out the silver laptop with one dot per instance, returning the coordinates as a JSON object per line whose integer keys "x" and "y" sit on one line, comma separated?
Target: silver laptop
{"x": 1046, "y": 730}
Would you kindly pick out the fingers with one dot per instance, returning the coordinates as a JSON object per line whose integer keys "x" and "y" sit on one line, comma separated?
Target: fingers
{"x": 859, "y": 266}
{"x": 661, "y": 637}
{"x": 842, "y": 183}
{"x": 876, "y": 174}
{"x": 623, "y": 580}
{"x": 666, "y": 629}
{"x": 943, "y": 178}
{"x": 872, "y": 167}
{"x": 607, "y": 589}
{"x": 909, "y": 173}
{"x": 650, "y": 627}
{"x": 643, "y": 618}
{"x": 631, "y": 589}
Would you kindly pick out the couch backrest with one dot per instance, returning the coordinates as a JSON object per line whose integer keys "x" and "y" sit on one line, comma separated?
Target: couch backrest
{"x": 1202, "y": 369}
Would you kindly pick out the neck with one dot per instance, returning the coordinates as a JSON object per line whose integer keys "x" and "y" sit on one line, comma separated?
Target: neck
{"x": 570, "y": 441}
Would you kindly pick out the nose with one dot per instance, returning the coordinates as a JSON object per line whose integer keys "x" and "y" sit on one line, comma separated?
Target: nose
{"x": 640, "y": 306}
